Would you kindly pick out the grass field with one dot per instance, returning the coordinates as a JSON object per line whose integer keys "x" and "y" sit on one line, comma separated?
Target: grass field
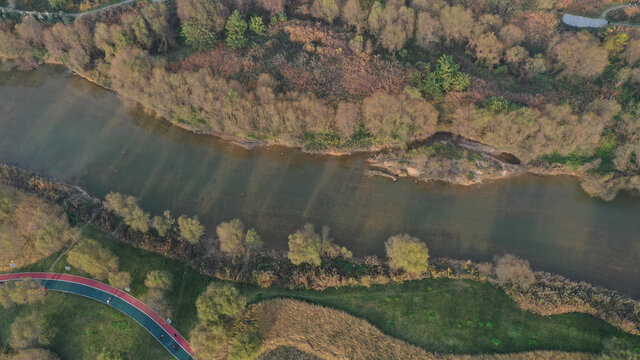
{"x": 86, "y": 328}
{"x": 444, "y": 315}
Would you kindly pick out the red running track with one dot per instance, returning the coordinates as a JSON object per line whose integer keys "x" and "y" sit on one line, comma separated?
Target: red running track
{"x": 117, "y": 293}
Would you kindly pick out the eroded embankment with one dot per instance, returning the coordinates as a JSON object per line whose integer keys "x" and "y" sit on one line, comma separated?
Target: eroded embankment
{"x": 457, "y": 160}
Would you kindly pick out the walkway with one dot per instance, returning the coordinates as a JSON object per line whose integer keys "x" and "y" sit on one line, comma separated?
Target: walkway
{"x": 583, "y": 22}
{"x": 137, "y": 310}
{"x": 11, "y": 8}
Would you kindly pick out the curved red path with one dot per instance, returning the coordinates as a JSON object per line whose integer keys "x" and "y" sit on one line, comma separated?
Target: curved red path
{"x": 110, "y": 290}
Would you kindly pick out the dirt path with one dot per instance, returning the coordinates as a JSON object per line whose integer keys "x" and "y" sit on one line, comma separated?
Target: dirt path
{"x": 11, "y": 8}
{"x": 584, "y": 22}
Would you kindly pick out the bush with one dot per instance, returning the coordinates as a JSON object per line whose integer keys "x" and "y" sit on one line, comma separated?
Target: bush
{"x": 26, "y": 291}
{"x": 157, "y": 279}
{"x": 264, "y": 279}
{"x": 219, "y": 302}
{"x": 92, "y": 258}
{"x": 190, "y": 229}
{"x": 120, "y": 280}
{"x": 155, "y": 298}
{"x": 30, "y": 330}
{"x": 407, "y": 253}
{"x": 511, "y": 270}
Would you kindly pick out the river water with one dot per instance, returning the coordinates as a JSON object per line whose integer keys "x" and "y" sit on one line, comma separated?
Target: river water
{"x": 65, "y": 127}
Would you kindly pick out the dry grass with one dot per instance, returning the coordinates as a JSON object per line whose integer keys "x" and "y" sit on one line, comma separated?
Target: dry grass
{"x": 332, "y": 334}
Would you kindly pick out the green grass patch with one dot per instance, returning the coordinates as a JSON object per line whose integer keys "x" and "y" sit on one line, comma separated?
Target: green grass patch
{"x": 444, "y": 315}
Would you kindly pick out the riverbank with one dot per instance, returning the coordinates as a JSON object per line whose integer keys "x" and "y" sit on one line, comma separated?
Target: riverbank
{"x": 549, "y": 294}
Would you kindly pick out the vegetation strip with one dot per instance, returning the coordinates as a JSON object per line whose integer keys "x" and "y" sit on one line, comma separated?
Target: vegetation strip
{"x": 128, "y": 306}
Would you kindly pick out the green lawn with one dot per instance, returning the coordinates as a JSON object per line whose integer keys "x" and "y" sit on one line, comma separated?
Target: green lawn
{"x": 87, "y": 327}
{"x": 442, "y": 315}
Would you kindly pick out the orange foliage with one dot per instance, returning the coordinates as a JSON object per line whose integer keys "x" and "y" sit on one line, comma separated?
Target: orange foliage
{"x": 220, "y": 60}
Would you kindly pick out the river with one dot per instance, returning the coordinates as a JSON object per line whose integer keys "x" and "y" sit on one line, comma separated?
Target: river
{"x": 65, "y": 127}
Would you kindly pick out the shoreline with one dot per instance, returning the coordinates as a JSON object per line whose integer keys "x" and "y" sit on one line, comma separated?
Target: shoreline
{"x": 592, "y": 185}
{"x": 550, "y": 293}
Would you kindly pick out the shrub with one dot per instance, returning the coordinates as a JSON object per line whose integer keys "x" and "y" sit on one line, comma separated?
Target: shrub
{"x": 512, "y": 270}
{"x": 264, "y": 279}
{"x": 158, "y": 279}
{"x": 30, "y": 330}
{"x": 120, "y": 280}
{"x": 155, "y": 298}
{"x": 407, "y": 253}
{"x": 92, "y": 258}
{"x": 305, "y": 247}
{"x": 245, "y": 345}
{"x": 219, "y": 302}
{"x": 190, "y": 229}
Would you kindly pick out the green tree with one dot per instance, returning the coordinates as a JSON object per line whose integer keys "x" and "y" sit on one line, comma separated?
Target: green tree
{"x": 190, "y": 229}
{"x": 252, "y": 240}
{"x": 92, "y": 258}
{"x": 158, "y": 279}
{"x": 256, "y": 26}
{"x": 197, "y": 37}
{"x": 407, "y": 253}
{"x": 236, "y": 29}
{"x": 127, "y": 207}
{"x": 305, "y": 246}
{"x": 219, "y": 302}
{"x": 31, "y": 330}
{"x": 163, "y": 223}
